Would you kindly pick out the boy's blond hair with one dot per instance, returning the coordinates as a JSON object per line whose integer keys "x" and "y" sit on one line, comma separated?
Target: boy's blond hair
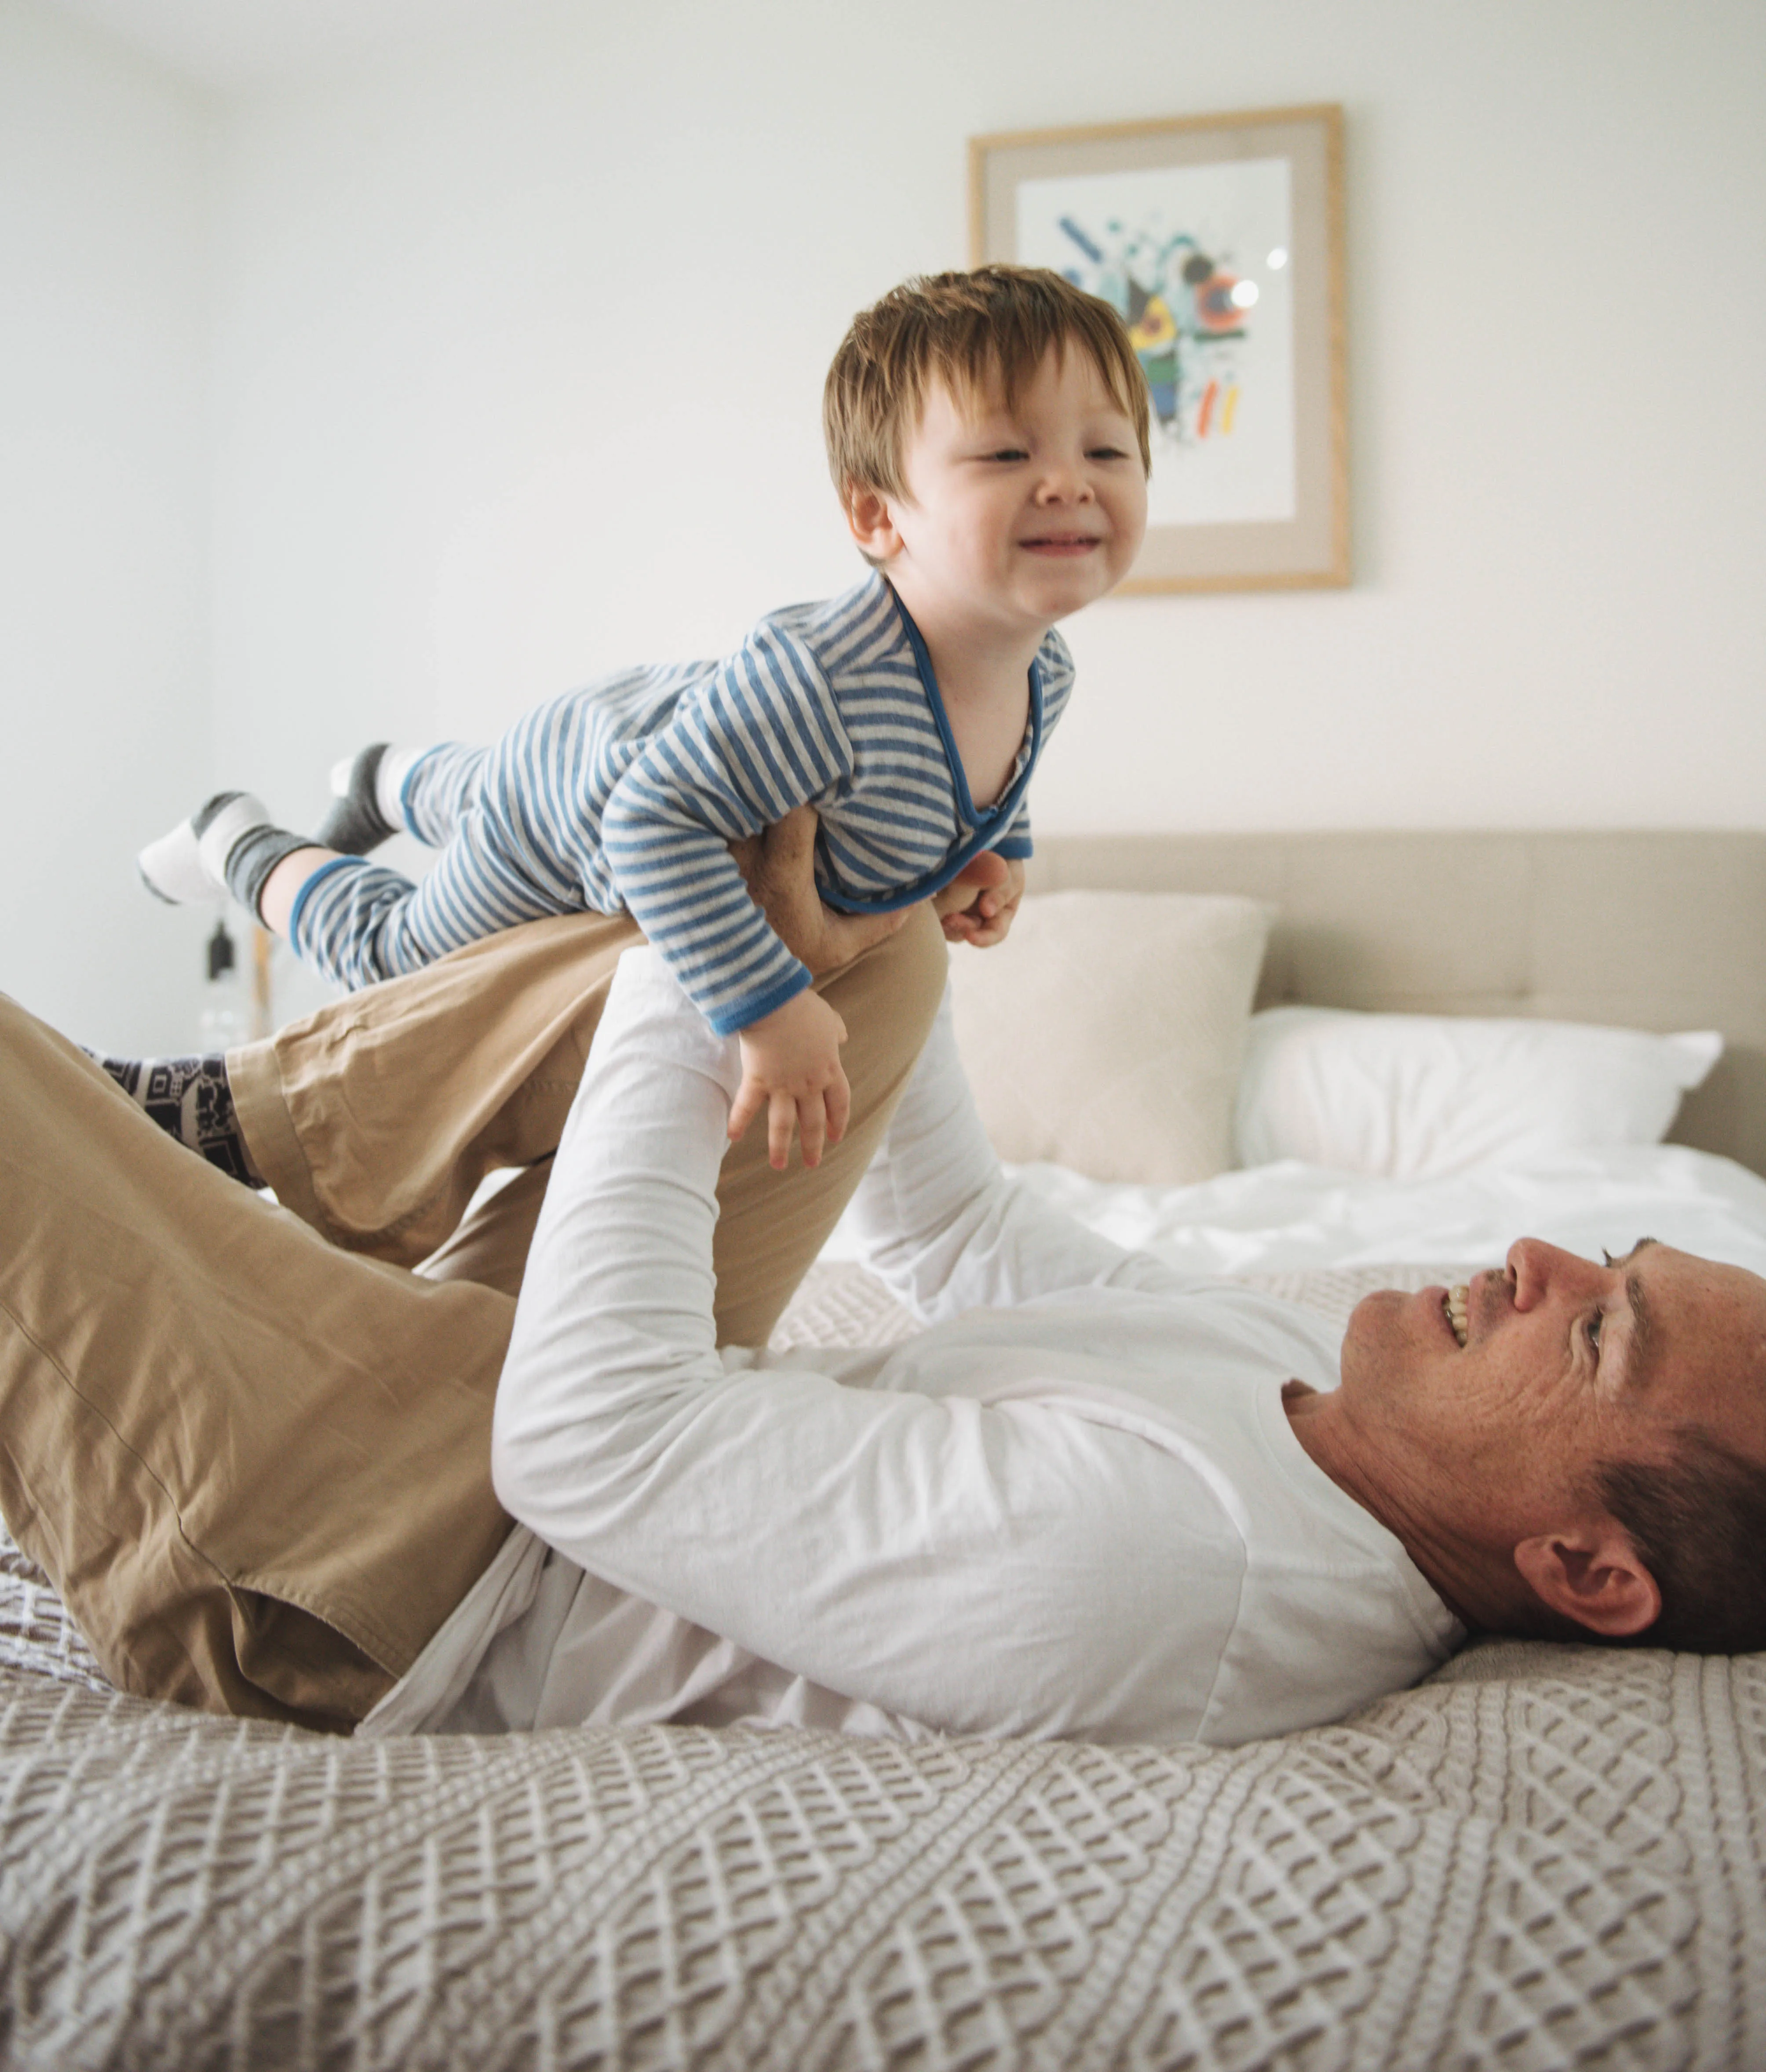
{"x": 970, "y": 330}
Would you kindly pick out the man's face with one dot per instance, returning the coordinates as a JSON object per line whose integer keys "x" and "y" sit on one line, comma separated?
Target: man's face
{"x": 1566, "y": 1365}
{"x": 1014, "y": 518}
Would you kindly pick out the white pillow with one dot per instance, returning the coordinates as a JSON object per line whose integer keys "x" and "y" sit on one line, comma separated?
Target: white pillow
{"x": 1410, "y": 1096}
{"x": 1105, "y": 1032}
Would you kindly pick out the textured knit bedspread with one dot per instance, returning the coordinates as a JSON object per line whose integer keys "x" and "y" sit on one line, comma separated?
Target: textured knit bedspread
{"x": 1542, "y": 1856}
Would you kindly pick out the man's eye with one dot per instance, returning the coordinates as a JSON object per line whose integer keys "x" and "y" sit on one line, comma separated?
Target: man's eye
{"x": 1593, "y": 1329}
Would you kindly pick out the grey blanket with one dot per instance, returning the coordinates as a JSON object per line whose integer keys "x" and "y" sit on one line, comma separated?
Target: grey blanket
{"x": 1543, "y": 1856}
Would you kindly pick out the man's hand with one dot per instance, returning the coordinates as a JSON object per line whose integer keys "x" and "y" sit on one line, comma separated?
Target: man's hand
{"x": 779, "y": 868}
{"x": 980, "y": 903}
{"x": 791, "y": 1067}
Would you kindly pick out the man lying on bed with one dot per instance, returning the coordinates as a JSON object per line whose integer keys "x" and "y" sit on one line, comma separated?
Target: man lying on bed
{"x": 1095, "y": 1499}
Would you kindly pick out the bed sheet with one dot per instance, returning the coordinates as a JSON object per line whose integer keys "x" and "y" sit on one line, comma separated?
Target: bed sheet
{"x": 1288, "y": 1219}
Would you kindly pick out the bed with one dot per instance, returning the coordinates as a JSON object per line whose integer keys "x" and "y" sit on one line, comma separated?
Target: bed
{"x": 1541, "y": 1856}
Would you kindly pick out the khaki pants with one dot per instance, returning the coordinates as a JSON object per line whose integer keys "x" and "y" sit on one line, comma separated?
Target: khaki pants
{"x": 249, "y": 1444}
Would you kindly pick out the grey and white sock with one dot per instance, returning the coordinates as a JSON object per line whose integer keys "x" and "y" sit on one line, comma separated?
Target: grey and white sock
{"x": 357, "y": 822}
{"x": 192, "y": 1099}
{"x": 188, "y": 865}
{"x": 252, "y": 858}
{"x": 229, "y": 844}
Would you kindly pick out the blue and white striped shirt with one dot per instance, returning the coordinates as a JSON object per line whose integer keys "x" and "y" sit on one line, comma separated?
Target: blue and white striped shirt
{"x": 628, "y": 792}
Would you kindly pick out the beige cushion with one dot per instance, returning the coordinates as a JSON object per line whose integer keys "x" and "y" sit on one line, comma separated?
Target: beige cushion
{"x": 1105, "y": 1032}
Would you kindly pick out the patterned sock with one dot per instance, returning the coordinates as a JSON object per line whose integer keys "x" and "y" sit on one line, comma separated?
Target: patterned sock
{"x": 356, "y": 823}
{"x": 192, "y": 1099}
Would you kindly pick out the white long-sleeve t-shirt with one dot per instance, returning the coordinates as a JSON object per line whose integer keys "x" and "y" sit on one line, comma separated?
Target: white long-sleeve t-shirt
{"x": 1072, "y": 1506}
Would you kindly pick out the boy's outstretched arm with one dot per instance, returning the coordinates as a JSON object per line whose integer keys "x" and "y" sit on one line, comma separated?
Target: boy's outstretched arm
{"x": 791, "y": 1057}
{"x": 791, "y": 1067}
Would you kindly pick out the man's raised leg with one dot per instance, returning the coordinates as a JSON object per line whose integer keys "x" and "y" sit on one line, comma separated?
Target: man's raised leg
{"x": 771, "y": 1225}
{"x": 255, "y": 1467}
{"x": 376, "y": 1119}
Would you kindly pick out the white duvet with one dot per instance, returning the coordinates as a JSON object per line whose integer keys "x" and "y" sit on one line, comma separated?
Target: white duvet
{"x": 1294, "y": 1218}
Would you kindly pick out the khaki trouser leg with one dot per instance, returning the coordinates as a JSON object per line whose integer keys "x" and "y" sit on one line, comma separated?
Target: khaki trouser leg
{"x": 376, "y": 1119}
{"x": 258, "y": 1467}
{"x": 213, "y": 1424}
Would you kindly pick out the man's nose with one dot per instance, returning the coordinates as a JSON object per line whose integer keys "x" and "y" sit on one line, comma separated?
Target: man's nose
{"x": 1536, "y": 1267}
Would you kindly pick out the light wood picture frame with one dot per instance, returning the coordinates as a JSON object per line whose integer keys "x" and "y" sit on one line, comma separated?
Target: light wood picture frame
{"x": 1218, "y": 239}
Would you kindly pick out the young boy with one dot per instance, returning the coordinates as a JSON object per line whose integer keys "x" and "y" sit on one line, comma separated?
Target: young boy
{"x": 987, "y": 434}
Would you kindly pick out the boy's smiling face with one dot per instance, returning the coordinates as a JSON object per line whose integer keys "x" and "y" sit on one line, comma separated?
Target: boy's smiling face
{"x": 1014, "y": 517}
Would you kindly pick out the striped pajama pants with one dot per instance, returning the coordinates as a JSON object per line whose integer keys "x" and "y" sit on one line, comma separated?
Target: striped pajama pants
{"x": 355, "y": 922}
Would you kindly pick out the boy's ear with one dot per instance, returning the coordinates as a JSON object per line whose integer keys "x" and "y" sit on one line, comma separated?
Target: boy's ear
{"x": 873, "y": 528}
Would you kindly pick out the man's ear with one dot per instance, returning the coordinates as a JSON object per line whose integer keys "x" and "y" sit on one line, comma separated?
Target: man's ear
{"x": 1594, "y": 1575}
{"x": 873, "y": 528}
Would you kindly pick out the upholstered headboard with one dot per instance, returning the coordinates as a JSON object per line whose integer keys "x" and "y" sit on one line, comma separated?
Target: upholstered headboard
{"x": 1648, "y": 930}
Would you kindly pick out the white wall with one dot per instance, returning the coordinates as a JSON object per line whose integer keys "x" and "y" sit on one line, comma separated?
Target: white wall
{"x": 521, "y": 342}
{"x": 516, "y": 342}
{"x": 104, "y": 638}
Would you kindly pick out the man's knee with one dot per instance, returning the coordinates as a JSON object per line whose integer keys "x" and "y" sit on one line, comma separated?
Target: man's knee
{"x": 887, "y": 999}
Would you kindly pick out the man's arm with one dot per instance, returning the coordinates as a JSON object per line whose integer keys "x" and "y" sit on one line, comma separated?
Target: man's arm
{"x": 780, "y": 867}
{"x": 939, "y": 1221}
{"x": 935, "y": 1216}
{"x": 984, "y": 917}
{"x": 955, "y": 1561}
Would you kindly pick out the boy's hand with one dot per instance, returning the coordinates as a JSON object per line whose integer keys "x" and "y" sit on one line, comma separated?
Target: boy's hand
{"x": 984, "y": 916}
{"x": 779, "y": 868}
{"x": 791, "y": 1067}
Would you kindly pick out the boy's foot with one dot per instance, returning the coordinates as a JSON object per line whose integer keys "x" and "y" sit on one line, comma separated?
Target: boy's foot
{"x": 192, "y": 1099}
{"x": 357, "y": 823}
{"x": 369, "y": 787}
{"x": 229, "y": 844}
{"x": 190, "y": 864}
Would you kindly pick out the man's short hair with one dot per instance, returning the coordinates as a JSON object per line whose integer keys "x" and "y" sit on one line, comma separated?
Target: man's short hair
{"x": 995, "y": 324}
{"x": 1698, "y": 1520}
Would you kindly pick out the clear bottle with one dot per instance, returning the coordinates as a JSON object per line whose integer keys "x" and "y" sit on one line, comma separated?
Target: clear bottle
{"x": 225, "y": 1021}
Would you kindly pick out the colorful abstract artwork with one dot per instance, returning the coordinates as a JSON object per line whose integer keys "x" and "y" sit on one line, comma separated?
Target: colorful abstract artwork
{"x": 1219, "y": 241}
{"x": 1198, "y": 260}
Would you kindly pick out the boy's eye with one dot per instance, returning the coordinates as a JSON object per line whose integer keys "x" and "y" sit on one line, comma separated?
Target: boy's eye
{"x": 1008, "y": 453}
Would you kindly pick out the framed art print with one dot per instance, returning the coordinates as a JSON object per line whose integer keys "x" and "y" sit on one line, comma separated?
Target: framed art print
{"x": 1219, "y": 241}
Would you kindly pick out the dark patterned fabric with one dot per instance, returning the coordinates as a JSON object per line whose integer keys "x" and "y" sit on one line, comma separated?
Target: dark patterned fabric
{"x": 190, "y": 1099}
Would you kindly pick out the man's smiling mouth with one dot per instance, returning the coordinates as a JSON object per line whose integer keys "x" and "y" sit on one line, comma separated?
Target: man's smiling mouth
{"x": 1454, "y": 1306}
